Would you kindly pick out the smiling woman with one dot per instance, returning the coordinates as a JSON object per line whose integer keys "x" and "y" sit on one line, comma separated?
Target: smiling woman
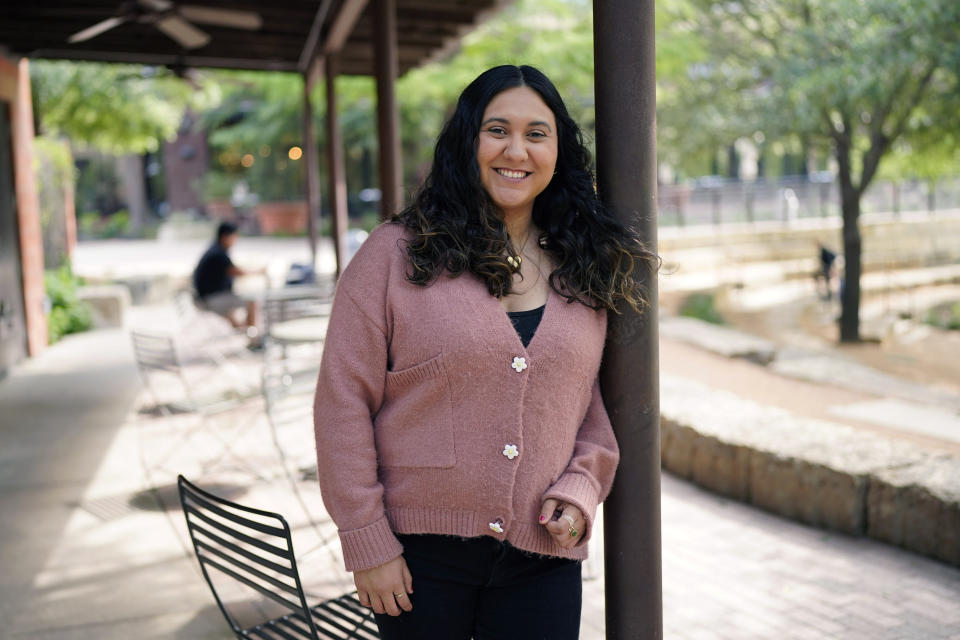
{"x": 516, "y": 151}
{"x": 477, "y": 443}
{"x": 459, "y": 225}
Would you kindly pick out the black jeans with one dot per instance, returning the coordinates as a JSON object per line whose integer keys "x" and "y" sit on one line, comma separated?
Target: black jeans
{"x": 485, "y": 589}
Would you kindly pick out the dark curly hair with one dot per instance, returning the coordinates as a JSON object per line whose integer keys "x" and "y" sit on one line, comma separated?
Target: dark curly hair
{"x": 456, "y": 226}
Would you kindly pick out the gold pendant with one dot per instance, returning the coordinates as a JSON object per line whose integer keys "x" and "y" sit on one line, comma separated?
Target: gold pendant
{"x": 514, "y": 261}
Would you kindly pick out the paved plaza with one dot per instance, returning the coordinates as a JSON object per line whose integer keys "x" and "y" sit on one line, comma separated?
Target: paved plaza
{"x": 91, "y": 554}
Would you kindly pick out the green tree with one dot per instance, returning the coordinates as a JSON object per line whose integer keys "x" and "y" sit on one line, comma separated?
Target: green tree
{"x": 114, "y": 108}
{"x": 252, "y": 128}
{"x": 852, "y": 76}
{"x": 694, "y": 120}
{"x": 120, "y": 109}
{"x": 928, "y": 151}
{"x": 556, "y": 36}
{"x": 261, "y": 114}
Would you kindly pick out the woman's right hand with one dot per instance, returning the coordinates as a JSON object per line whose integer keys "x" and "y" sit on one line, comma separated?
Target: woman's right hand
{"x": 387, "y": 588}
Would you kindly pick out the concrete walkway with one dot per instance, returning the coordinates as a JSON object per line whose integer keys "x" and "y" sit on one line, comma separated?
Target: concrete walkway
{"x": 87, "y": 553}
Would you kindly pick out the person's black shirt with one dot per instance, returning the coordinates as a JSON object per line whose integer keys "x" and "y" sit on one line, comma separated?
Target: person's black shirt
{"x": 211, "y": 275}
{"x": 827, "y": 258}
{"x": 526, "y": 323}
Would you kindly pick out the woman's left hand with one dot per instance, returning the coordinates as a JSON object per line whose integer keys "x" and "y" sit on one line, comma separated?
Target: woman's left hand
{"x": 564, "y": 522}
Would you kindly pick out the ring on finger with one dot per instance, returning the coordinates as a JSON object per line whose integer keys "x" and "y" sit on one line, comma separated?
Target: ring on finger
{"x": 573, "y": 532}
{"x": 569, "y": 519}
{"x": 399, "y": 595}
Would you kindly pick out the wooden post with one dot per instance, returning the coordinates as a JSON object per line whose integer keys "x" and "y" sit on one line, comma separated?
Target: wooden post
{"x": 338, "y": 178}
{"x": 388, "y": 116}
{"x": 311, "y": 171}
{"x": 627, "y": 178}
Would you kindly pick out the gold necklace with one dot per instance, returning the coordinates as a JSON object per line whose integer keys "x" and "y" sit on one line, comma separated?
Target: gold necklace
{"x": 515, "y": 260}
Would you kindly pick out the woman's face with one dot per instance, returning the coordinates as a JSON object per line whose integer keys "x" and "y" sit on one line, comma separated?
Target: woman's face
{"x": 516, "y": 149}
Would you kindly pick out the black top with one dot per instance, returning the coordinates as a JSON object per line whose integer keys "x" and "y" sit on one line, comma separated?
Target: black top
{"x": 526, "y": 323}
{"x": 826, "y": 258}
{"x": 211, "y": 274}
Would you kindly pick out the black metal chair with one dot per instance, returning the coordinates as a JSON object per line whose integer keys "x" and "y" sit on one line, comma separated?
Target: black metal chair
{"x": 254, "y": 548}
{"x": 219, "y": 411}
{"x": 162, "y": 367}
{"x": 288, "y": 389}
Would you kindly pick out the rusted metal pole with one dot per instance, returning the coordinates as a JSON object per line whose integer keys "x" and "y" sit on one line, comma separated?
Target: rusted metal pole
{"x": 311, "y": 171}
{"x": 627, "y": 178}
{"x": 338, "y": 177}
{"x": 388, "y": 114}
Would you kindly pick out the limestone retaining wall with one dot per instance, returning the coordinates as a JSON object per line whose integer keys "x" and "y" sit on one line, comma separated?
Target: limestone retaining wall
{"x": 818, "y": 472}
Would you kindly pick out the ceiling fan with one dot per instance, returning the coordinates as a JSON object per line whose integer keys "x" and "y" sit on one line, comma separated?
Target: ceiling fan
{"x": 173, "y": 20}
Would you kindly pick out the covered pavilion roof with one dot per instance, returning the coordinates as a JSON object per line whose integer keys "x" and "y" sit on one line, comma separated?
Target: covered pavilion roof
{"x": 290, "y": 35}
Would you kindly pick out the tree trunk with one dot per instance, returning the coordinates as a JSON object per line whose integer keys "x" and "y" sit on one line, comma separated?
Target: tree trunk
{"x": 850, "y": 208}
{"x": 130, "y": 168}
{"x": 806, "y": 156}
{"x": 733, "y": 162}
{"x": 850, "y": 281}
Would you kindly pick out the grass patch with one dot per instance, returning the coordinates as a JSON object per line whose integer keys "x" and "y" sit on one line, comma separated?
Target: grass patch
{"x": 702, "y": 307}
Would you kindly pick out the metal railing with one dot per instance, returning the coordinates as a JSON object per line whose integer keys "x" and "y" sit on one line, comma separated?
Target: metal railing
{"x": 716, "y": 200}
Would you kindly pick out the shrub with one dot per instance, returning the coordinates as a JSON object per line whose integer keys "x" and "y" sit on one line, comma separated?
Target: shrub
{"x": 53, "y": 169}
{"x": 945, "y": 316}
{"x": 94, "y": 226}
{"x": 67, "y": 314}
{"x": 702, "y": 307}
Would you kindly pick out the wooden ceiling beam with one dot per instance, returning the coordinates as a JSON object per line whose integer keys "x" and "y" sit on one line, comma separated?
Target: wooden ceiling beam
{"x": 365, "y": 50}
{"x": 312, "y": 45}
{"x": 342, "y": 24}
{"x": 411, "y": 40}
{"x": 253, "y": 64}
{"x": 294, "y": 34}
{"x": 405, "y": 27}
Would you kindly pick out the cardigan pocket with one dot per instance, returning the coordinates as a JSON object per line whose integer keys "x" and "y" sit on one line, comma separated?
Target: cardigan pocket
{"x": 414, "y": 427}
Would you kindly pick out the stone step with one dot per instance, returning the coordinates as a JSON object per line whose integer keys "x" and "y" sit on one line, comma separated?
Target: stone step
{"x": 718, "y": 339}
{"x": 888, "y": 244}
{"x": 811, "y": 365}
{"x": 108, "y": 303}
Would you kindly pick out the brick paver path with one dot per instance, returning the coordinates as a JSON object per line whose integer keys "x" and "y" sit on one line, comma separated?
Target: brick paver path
{"x": 733, "y": 572}
{"x": 94, "y": 564}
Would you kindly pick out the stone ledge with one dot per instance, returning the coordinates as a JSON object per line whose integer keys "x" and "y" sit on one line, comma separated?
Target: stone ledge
{"x": 724, "y": 341}
{"x": 918, "y": 507}
{"x": 814, "y": 471}
{"x": 824, "y": 368}
{"x": 108, "y": 303}
{"x": 820, "y": 367}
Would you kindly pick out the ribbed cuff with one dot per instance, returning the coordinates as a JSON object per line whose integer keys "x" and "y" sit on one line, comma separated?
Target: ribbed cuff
{"x": 579, "y": 491}
{"x": 370, "y": 546}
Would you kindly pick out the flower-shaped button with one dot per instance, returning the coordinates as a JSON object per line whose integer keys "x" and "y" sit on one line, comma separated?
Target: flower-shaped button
{"x": 519, "y": 364}
{"x": 511, "y": 451}
{"x": 496, "y": 526}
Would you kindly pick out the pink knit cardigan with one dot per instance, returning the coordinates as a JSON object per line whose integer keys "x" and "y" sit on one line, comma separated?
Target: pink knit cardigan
{"x": 432, "y": 417}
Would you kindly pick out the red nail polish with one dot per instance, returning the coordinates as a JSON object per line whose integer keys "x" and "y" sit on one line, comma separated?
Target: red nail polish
{"x": 543, "y": 518}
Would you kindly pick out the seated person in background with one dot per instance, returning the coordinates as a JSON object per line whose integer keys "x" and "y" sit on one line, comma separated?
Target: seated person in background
{"x": 213, "y": 282}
